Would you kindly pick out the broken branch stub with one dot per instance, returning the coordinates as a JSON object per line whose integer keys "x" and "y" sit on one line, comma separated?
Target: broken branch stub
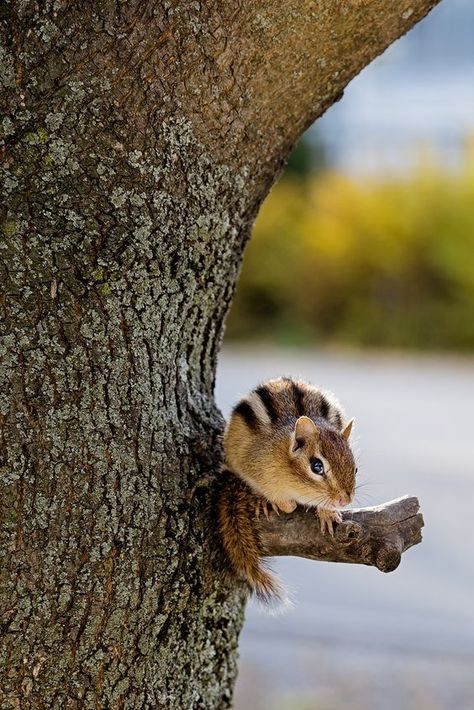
{"x": 375, "y": 536}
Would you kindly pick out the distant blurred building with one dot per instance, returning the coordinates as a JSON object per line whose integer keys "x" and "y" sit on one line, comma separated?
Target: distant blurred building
{"x": 419, "y": 94}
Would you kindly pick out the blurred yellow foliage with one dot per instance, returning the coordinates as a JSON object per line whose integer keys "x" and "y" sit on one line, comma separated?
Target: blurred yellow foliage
{"x": 368, "y": 260}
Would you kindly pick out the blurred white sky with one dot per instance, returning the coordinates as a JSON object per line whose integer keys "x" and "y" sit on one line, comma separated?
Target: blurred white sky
{"x": 419, "y": 93}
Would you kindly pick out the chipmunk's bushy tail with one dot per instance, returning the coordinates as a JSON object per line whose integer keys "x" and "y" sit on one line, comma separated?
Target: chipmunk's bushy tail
{"x": 242, "y": 544}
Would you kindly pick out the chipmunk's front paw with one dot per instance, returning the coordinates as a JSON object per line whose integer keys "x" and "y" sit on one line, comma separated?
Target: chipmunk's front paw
{"x": 262, "y": 505}
{"x": 287, "y": 506}
{"x": 327, "y": 517}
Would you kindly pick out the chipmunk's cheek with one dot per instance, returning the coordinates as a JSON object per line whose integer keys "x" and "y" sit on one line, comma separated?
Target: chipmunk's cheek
{"x": 336, "y": 495}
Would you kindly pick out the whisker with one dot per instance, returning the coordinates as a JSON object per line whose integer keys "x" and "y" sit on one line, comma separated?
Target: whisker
{"x": 366, "y": 498}
{"x": 362, "y": 485}
{"x": 370, "y": 483}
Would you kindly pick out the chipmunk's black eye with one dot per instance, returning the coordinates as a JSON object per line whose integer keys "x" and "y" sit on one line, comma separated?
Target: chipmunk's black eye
{"x": 317, "y": 466}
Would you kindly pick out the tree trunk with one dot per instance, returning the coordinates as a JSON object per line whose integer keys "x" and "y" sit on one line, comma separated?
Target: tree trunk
{"x": 139, "y": 139}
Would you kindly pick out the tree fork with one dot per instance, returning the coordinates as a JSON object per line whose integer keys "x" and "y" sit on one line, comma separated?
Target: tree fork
{"x": 138, "y": 140}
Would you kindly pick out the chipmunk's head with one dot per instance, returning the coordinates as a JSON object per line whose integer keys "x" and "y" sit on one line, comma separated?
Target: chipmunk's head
{"x": 323, "y": 461}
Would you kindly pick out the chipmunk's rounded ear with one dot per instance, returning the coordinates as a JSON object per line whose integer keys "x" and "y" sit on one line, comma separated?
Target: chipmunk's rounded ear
{"x": 347, "y": 428}
{"x": 305, "y": 428}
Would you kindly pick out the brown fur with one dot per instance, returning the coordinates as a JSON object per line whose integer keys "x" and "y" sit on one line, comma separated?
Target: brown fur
{"x": 241, "y": 541}
{"x": 270, "y": 441}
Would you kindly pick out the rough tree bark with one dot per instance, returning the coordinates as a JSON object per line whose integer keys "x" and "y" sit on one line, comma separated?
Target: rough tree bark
{"x": 139, "y": 139}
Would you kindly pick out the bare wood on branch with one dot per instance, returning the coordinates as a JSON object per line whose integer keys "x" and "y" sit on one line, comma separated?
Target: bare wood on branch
{"x": 375, "y": 536}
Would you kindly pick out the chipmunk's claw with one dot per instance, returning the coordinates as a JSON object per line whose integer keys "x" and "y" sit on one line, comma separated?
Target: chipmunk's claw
{"x": 262, "y": 504}
{"x": 327, "y": 518}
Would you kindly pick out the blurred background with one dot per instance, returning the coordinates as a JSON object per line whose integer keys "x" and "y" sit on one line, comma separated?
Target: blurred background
{"x": 360, "y": 277}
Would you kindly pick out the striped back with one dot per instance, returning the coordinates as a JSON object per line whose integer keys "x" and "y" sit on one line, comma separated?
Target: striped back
{"x": 280, "y": 402}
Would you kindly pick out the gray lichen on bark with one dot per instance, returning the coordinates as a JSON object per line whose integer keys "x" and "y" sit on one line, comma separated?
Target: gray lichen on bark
{"x": 138, "y": 140}
{"x": 118, "y": 264}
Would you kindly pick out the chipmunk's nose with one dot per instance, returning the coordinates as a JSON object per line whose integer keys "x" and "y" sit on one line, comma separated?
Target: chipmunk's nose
{"x": 343, "y": 500}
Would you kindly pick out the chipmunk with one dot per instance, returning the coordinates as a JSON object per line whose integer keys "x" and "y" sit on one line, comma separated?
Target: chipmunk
{"x": 288, "y": 441}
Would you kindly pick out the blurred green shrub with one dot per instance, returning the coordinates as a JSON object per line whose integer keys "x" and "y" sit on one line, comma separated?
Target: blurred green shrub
{"x": 373, "y": 261}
